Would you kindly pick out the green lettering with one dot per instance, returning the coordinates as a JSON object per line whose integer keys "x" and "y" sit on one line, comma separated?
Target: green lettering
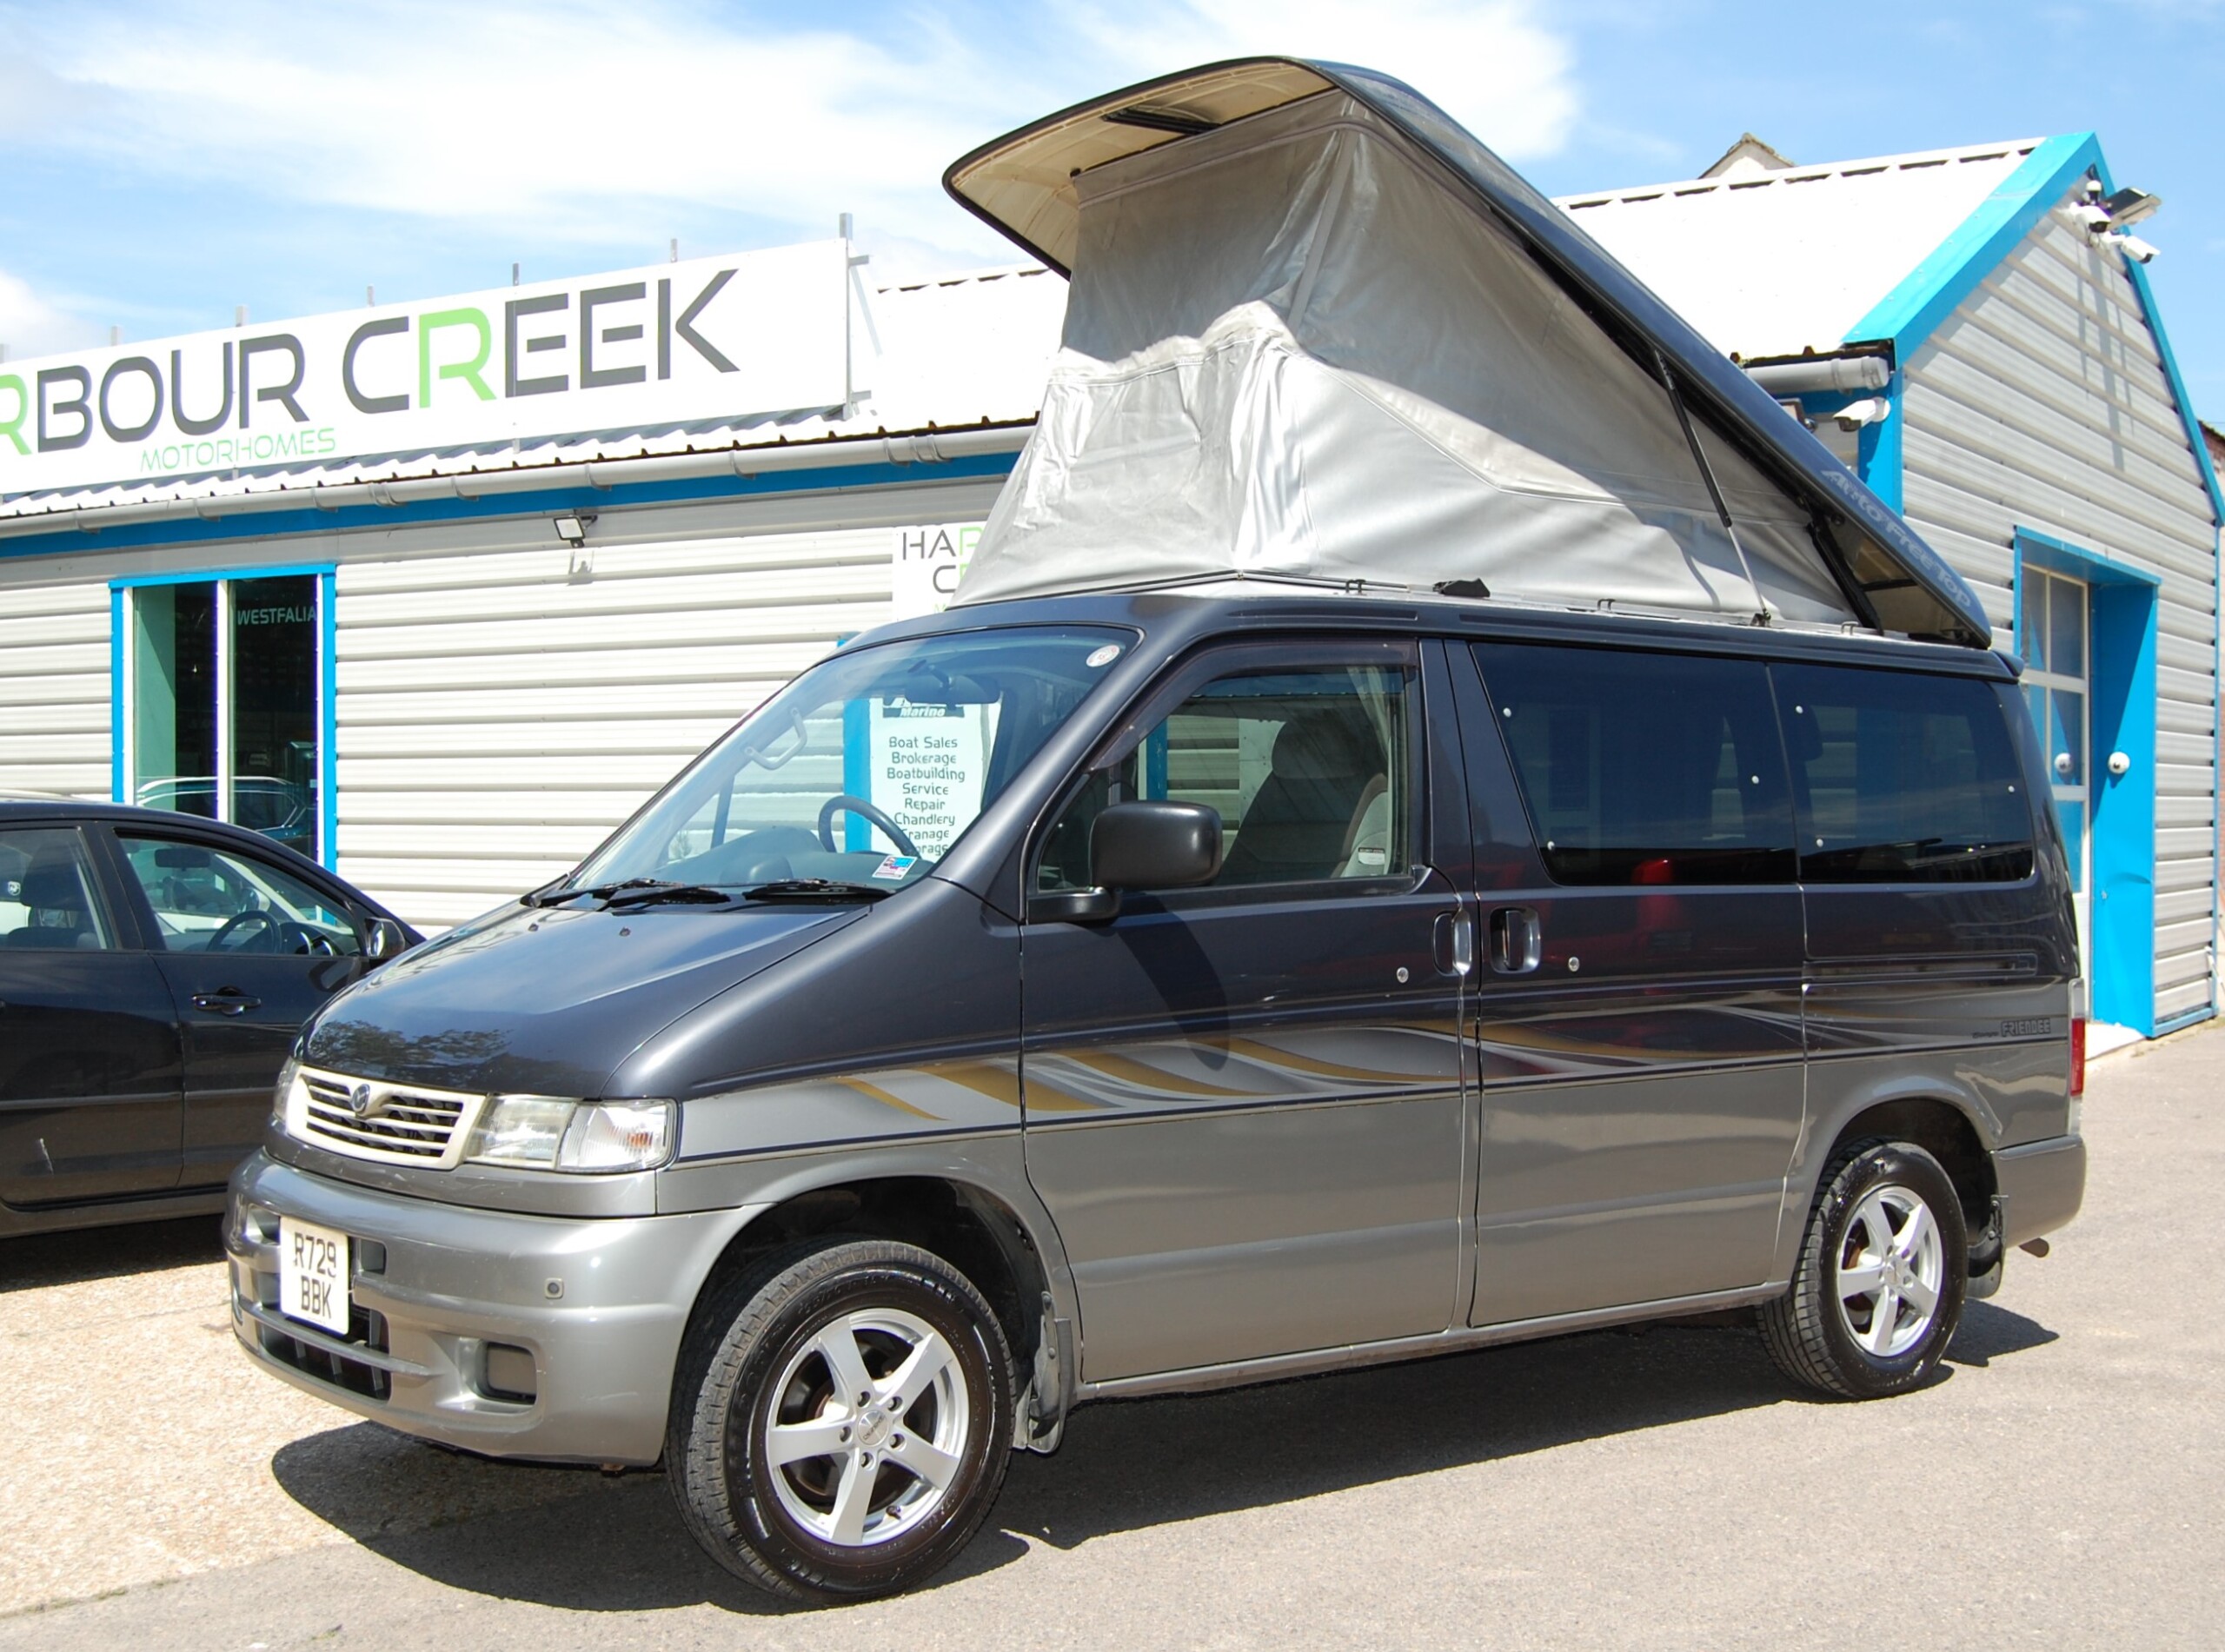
{"x": 12, "y": 429}
{"x": 468, "y": 371}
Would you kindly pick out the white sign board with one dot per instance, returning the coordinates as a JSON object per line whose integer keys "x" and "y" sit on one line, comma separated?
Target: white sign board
{"x": 709, "y": 339}
{"x": 925, "y": 565}
{"x": 929, "y": 764}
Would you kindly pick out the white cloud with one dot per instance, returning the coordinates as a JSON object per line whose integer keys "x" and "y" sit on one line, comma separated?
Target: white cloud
{"x": 29, "y": 325}
{"x": 590, "y": 123}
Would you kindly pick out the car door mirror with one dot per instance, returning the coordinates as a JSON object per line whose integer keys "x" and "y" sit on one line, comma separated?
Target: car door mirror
{"x": 384, "y": 940}
{"x": 1137, "y": 845}
{"x": 1154, "y": 846}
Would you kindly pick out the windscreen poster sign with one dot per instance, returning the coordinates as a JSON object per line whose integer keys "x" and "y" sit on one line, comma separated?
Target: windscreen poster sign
{"x": 709, "y": 339}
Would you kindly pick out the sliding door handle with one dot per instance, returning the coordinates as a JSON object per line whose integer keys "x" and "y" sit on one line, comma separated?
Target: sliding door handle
{"x": 1518, "y": 943}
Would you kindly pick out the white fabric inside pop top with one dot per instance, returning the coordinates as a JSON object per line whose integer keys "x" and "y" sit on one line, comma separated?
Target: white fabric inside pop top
{"x": 1290, "y": 350}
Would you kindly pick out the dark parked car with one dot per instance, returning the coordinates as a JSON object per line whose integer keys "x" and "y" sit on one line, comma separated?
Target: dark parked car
{"x": 154, "y": 970}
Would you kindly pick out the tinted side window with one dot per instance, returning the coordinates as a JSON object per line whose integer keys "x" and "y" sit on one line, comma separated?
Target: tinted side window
{"x": 1308, "y": 770}
{"x": 48, "y": 894}
{"x": 1644, "y": 768}
{"x": 1903, "y": 778}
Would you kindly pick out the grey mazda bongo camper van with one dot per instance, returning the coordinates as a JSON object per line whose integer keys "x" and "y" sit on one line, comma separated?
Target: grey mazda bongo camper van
{"x": 1406, "y": 843}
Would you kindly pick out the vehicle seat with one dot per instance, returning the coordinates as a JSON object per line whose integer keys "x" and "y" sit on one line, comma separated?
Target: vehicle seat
{"x": 1306, "y": 819}
{"x": 53, "y": 888}
{"x": 1367, "y": 845}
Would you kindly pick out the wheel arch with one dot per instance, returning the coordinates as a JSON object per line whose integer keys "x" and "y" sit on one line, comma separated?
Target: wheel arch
{"x": 1946, "y": 1127}
{"x": 964, "y": 1221}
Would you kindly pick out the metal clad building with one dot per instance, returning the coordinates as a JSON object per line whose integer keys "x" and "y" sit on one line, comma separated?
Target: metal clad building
{"x": 399, "y": 662}
{"x": 399, "y": 655}
{"x": 2029, "y": 420}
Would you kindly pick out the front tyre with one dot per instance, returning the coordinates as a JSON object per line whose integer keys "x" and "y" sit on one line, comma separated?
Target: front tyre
{"x": 1878, "y": 1290}
{"x": 841, "y": 1421}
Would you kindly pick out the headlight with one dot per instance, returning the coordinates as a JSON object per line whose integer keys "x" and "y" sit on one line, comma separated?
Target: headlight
{"x": 547, "y": 1133}
{"x": 281, "y": 1098}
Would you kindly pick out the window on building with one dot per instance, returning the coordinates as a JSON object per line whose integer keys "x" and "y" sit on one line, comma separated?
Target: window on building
{"x": 223, "y": 682}
{"x": 1644, "y": 768}
{"x": 1903, "y": 778}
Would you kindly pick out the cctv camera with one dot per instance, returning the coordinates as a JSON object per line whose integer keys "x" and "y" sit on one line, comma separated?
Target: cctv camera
{"x": 2135, "y": 248}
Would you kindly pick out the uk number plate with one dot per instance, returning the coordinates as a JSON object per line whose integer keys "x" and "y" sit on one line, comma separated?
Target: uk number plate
{"x": 313, "y": 1274}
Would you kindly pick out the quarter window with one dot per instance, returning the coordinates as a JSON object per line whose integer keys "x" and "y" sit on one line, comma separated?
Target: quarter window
{"x": 1308, "y": 769}
{"x": 1902, "y": 778}
{"x": 1643, "y": 769}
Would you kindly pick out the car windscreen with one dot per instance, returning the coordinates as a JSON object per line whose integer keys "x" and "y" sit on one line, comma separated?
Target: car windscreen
{"x": 865, "y": 769}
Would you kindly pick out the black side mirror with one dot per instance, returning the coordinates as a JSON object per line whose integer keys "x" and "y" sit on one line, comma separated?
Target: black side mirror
{"x": 384, "y": 940}
{"x": 1139, "y": 846}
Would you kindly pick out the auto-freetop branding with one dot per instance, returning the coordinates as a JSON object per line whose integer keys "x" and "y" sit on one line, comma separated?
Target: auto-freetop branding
{"x": 712, "y": 338}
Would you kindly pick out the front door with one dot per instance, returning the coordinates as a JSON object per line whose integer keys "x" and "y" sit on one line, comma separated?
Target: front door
{"x": 1638, "y": 1012}
{"x": 89, "y": 1046}
{"x": 251, "y": 952}
{"x": 1243, "y": 1101}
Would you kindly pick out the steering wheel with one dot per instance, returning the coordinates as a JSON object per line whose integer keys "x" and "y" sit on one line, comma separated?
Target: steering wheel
{"x": 303, "y": 942}
{"x": 864, "y": 810}
{"x": 237, "y": 924}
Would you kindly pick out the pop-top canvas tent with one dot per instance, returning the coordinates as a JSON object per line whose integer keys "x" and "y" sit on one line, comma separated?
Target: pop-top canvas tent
{"x": 1317, "y": 332}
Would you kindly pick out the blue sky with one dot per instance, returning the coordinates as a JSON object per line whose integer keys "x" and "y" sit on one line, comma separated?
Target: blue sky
{"x": 166, "y": 162}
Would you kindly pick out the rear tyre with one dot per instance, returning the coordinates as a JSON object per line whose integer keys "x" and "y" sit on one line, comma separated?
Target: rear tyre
{"x": 841, "y": 1421}
{"x": 1878, "y": 1289}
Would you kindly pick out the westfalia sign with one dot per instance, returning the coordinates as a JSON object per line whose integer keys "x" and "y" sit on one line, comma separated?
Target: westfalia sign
{"x": 710, "y": 339}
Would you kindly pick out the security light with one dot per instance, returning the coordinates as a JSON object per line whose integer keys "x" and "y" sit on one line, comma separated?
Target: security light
{"x": 1868, "y": 410}
{"x": 572, "y": 527}
{"x": 2135, "y": 248}
{"x": 2128, "y": 207}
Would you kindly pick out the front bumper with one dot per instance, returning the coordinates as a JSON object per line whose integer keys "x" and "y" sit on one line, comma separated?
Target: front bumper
{"x": 2041, "y": 1185}
{"x": 597, "y": 1307}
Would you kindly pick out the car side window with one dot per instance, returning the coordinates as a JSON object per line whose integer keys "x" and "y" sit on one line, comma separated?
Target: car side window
{"x": 1644, "y": 768}
{"x": 50, "y": 901}
{"x": 207, "y": 900}
{"x": 1309, "y": 770}
{"x": 1903, "y": 778}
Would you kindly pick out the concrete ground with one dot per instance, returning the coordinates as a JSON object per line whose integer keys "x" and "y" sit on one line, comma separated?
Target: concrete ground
{"x": 1662, "y": 1488}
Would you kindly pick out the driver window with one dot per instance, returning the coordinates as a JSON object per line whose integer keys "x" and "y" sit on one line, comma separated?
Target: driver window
{"x": 1308, "y": 770}
{"x": 47, "y": 892}
{"x": 208, "y": 900}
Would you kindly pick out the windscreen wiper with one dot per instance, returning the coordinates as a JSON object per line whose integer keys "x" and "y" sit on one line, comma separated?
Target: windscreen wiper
{"x": 546, "y": 896}
{"x": 814, "y": 889}
{"x": 632, "y": 891}
{"x": 669, "y": 894}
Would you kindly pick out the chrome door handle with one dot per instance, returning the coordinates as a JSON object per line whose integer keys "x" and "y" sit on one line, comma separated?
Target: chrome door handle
{"x": 1517, "y": 943}
{"x": 228, "y": 1002}
{"x": 1454, "y": 943}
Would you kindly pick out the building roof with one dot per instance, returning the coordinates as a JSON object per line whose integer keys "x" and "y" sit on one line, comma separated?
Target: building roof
{"x": 1771, "y": 263}
{"x": 960, "y": 353}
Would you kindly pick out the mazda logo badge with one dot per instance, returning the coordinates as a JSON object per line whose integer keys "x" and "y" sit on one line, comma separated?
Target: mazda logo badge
{"x": 359, "y": 1101}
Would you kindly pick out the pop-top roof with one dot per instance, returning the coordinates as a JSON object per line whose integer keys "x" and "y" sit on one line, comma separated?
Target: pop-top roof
{"x": 1318, "y": 331}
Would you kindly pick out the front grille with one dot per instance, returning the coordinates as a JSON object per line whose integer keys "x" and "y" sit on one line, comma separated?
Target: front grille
{"x": 366, "y": 1330}
{"x": 397, "y": 1124}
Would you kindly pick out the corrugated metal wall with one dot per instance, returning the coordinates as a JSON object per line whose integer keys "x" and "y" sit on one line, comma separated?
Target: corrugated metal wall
{"x": 2042, "y": 404}
{"x": 54, "y": 689}
{"x": 500, "y": 710}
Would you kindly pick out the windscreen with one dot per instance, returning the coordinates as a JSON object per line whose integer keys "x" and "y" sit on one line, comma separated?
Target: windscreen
{"x": 866, "y": 768}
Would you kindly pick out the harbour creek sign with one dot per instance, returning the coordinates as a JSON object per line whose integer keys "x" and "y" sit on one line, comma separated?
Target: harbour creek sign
{"x": 712, "y": 339}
